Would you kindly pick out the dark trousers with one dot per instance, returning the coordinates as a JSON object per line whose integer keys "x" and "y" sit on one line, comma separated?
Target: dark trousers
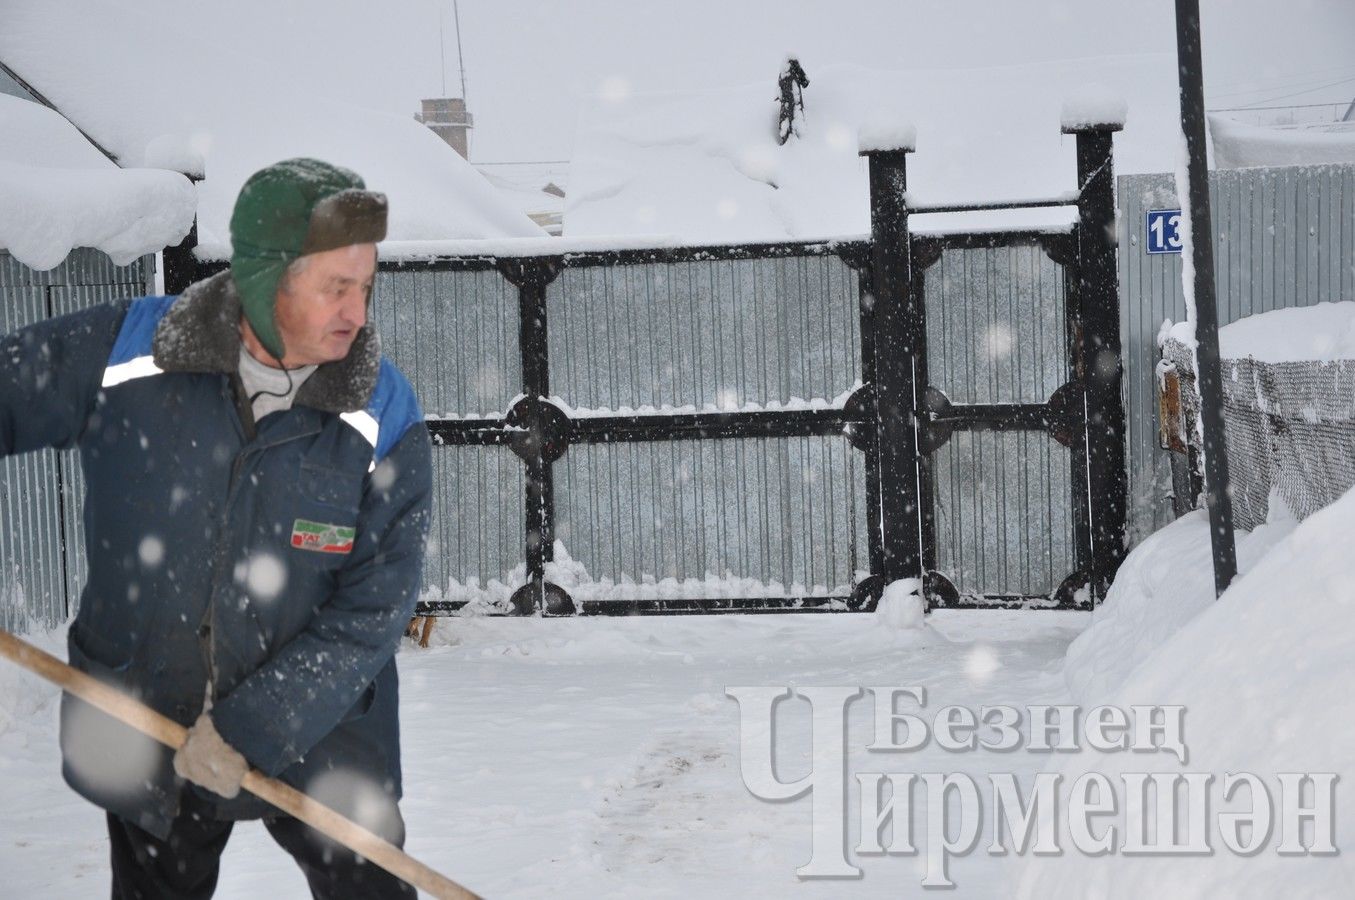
{"x": 186, "y": 865}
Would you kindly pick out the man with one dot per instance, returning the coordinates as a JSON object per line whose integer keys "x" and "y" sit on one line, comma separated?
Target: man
{"x": 258, "y": 482}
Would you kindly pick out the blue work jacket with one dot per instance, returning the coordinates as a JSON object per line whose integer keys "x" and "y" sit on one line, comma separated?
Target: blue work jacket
{"x": 274, "y": 564}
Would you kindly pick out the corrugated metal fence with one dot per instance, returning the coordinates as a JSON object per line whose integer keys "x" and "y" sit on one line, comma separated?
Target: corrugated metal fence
{"x": 42, "y": 555}
{"x": 1283, "y": 237}
{"x": 685, "y": 336}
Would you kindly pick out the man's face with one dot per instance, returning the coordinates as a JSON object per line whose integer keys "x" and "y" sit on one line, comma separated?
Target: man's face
{"x": 320, "y": 309}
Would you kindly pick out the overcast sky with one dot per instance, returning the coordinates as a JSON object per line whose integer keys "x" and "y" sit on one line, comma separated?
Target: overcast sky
{"x": 528, "y": 62}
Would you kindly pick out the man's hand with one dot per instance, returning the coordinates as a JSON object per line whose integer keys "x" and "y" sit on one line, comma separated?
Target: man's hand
{"x": 207, "y": 760}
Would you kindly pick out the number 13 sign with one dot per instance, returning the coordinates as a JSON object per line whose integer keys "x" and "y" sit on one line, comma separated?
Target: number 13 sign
{"x": 1164, "y": 235}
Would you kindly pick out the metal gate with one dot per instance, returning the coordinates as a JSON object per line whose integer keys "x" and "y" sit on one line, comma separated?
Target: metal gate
{"x": 1000, "y": 484}
{"x": 966, "y": 427}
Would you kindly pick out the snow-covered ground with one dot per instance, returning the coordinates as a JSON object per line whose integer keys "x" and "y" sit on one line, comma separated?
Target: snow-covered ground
{"x": 602, "y": 757}
{"x": 596, "y": 757}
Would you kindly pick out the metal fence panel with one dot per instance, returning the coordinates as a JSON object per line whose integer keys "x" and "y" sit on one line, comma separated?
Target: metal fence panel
{"x": 1283, "y": 237}
{"x": 479, "y": 523}
{"x": 1004, "y": 510}
{"x": 996, "y": 331}
{"x": 42, "y": 558}
{"x": 32, "y": 581}
{"x": 455, "y": 337}
{"x": 784, "y": 511}
{"x": 705, "y": 334}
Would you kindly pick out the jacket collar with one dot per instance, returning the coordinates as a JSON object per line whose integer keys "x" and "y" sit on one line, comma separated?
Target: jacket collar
{"x": 201, "y": 333}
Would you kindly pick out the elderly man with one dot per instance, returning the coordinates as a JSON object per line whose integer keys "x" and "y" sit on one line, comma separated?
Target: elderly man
{"x": 257, "y": 503}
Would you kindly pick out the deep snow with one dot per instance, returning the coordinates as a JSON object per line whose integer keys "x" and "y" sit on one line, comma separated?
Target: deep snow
{"x": 1264, "y": 673}
{"x": 593, "y": 757}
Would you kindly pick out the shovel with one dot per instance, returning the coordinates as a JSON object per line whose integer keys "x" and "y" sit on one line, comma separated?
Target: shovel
{"x": 285, "y": 797}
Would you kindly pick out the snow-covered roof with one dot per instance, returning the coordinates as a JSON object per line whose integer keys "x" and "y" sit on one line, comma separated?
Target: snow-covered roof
{"x": 1240, "y": 146}
{"x": 535, "y": 188}
{"x": 142, "y": 82}
{"x": 706, "y": 164}
{"x": 57, "y": 193}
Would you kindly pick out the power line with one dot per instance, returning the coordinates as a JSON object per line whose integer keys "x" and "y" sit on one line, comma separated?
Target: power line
{"x": 1309, "y": 91}
{"x": 1288, "y": 83}
{"x": 1335, "y": 103}
{"x": 524, "y": 162}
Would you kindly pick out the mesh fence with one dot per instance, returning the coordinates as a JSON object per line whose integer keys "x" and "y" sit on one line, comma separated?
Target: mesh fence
{"x": 1289, "y": 428}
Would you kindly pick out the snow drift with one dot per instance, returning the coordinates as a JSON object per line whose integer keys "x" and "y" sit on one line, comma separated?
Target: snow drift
{"x": 1264, "y": 674}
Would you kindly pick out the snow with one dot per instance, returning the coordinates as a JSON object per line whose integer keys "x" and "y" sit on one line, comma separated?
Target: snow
{"x": 1324, "y": 332}
{"x": 600, "y": 757}
{"x": 902, "y": 607}
{"x": 492, "y": 596}
{"x": 705, "y": 164}
{"x": 1264, "y": 674}
{"x": 1239, "y": 146}
{"x": 884, "y": 133}
{"x": 794, "y": 404}
{"x": 1166, "y": 581}
{"x": 221, "y": 113}
{"x": 1321, "y": 333}
{"x": 57, "y": 192}
{"x": 1185, "y": 231}
{"x": 1093, "y": 104}
{"x": 593, "y": 757}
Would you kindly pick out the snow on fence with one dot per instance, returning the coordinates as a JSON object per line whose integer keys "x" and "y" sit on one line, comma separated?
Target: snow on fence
{"x": 1283, "y": 238}
{"x": 1289, "y": 411}
{"x": 42, "y": 559}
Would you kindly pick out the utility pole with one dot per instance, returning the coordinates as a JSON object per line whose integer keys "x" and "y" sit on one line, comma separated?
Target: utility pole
{"x": 1190, "y": 67}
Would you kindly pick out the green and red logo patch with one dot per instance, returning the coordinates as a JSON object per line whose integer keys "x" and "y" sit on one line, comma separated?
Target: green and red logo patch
{"x": 308, "y": 535}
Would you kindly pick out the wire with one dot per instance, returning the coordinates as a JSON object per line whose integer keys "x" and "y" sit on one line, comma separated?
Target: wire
{"x": 1335, "y": 103}
{"x": 525, "y": 162}
{"x": 1309, "y": 91}
{"x": 1287, "y": 83}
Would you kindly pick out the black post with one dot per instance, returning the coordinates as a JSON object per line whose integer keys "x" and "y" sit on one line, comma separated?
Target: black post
{"x": 1102, "y": 368}
{"x": 1190, "y": 66}
{"x": 181, "y": 268}
{"x": 895, "y": 344}
{"x": 531, "y": 278}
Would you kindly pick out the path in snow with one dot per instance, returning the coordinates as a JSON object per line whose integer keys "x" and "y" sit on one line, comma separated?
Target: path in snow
{"x": 599, "y": 757}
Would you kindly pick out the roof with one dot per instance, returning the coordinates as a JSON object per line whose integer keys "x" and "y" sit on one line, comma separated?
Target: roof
{"x": 705, "y": 164}
{"x": 1240, "y": 146}
{"x": 57, "y": 192}
{"x": 211, "y": 109}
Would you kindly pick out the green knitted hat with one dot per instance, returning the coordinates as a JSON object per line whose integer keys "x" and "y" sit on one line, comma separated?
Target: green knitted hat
{"x": 285, "y": 211}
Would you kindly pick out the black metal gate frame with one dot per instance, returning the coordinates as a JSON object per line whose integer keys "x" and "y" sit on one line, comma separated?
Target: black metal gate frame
{"x": 897, "y": 419}
{"x": 539, "y": 432}
{"x": 1086, "y": 414}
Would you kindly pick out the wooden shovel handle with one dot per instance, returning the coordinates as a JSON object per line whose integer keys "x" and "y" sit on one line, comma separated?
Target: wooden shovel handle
{"x": 283, "y": 796}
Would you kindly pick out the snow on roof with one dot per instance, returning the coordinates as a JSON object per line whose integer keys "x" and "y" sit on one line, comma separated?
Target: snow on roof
{"x": 210, "y": 106}
{"x": 1240, "y": 146}
{"x": 57, "y": 193}
{"x": 706, "y": 164}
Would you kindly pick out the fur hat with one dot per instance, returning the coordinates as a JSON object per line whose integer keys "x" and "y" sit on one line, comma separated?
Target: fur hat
{"x": 285, "y": 211}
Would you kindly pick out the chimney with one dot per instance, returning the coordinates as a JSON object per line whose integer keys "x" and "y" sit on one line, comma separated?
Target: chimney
{"x": 448, "y": 119}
